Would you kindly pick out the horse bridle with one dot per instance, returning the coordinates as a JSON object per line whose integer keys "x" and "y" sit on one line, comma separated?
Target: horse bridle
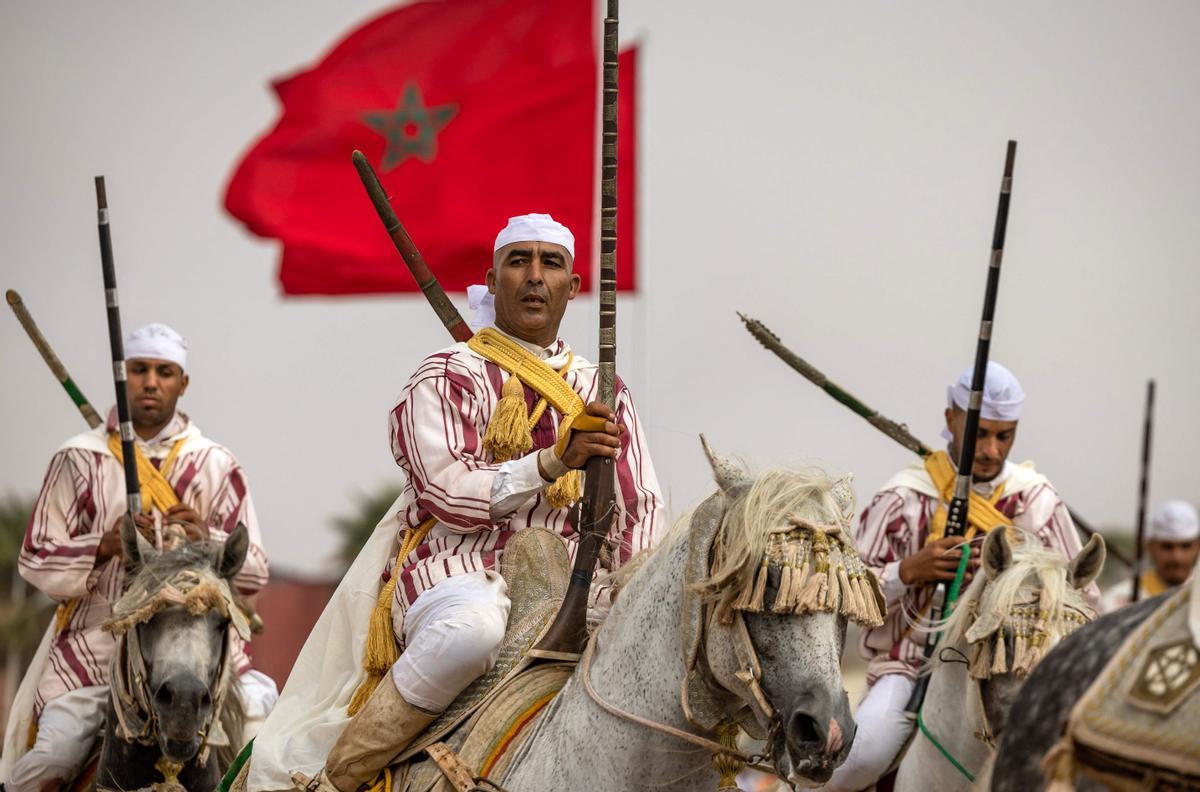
{"x": 130, "y": 695}
{"x": 755, "y": 761}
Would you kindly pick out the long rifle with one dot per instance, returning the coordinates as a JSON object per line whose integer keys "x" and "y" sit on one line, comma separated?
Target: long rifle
{"x": 47, "y": 352}
{"x": 566, "y": 637}
{"x": 956, "y": 513}
{"x": 897, "y": 431}
{"x": 1143, "y": 488}
{"x": 115, "y": 341}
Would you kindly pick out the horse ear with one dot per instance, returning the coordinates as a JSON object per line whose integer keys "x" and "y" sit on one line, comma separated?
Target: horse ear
{"x": 1085, "y": 566}
{"x": 727, "y": 472}
{"x": 233, "y": 554}
{"x": 843, "y": 493}
{"x": 997, "y": 553}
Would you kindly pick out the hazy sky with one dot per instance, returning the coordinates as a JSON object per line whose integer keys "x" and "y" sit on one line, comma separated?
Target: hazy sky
{"x": 830, "y": 168}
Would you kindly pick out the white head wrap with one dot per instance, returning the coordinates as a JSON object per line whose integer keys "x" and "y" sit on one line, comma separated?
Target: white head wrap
{"x": 157, "y": 342}
{"x": 1002, "y": 394}
{"x": 483, "y": 305}
{"x": 1174, "y": 521}
{"x": 536, "y": 228}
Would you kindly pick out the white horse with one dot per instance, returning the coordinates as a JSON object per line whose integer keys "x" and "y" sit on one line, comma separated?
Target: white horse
{"x": 1027, "y": 599}
{"x": 687, "y": 621}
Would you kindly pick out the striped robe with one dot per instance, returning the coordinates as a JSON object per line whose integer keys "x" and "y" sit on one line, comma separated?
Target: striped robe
{"x": 896, "y": 525}
{"x": 82, "y": 497}
{"x": 437, "y": 431}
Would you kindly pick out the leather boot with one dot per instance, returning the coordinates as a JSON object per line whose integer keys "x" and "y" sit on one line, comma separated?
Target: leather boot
{"x": 377, "y": 734}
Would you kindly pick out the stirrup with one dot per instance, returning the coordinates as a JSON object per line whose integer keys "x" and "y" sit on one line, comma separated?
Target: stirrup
{"x": 318, "y": 783}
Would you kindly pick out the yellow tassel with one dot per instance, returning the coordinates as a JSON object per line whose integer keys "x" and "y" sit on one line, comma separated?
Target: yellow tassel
{"x": 743, "y": 600}
{"x": 760, "y": 588}
{"x": 847, "y": 603}
{"x": 981, "y": 662}
{"x": 800, "y": 585}
{"x": 567, "y": 489}
{"x": 381, "y": 653}
{"x": 1059, "y": 766}
{"x": 830, "y": 600}
{"x": 783, "y": 598}
{"x": 871, "y": 615}
{"x": 999, "y": 658}
{"x": 727, "y": 766}
{"x": 508, "y": 432}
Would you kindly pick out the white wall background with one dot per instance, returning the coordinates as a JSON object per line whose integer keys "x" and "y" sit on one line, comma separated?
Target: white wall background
{"x": 829, "y": 168}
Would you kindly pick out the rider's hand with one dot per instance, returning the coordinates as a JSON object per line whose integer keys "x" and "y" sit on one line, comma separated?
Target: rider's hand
{"x": 193, "y": 524}
{"x": 936, "y": 561}
{"x": 110, "y": 542}
{"x": 585, "y": 445}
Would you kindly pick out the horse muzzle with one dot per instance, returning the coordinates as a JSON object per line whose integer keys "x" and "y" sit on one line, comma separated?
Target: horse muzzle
{"x": 810, "y": 747}
{"x": 183, "y": 705}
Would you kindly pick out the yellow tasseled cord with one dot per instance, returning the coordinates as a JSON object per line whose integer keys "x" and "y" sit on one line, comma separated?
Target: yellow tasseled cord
{"x": 381, "y": 653}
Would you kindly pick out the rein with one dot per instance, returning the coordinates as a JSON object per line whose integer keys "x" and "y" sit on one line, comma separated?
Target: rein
{"x": 754, "y": 761}
{"x": 951, "y": 600}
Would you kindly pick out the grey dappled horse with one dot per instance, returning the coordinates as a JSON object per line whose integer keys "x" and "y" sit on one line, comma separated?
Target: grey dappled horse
{"x": 639, "y": 667}
{"x": 989, "y": 648}
{"x": 1044, "y": 705}
{"x": 170, "y": 670}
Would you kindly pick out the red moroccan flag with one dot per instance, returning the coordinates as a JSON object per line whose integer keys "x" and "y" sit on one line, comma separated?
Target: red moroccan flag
{"x": 470, "y": 110}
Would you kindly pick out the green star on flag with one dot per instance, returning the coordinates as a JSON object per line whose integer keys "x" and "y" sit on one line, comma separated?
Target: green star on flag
{"x": 411, "y": 128}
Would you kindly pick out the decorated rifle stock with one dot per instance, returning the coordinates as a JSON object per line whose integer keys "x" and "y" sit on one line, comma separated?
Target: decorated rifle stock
{"x": 116, "y": 343}
{"x": 956, "y": 512}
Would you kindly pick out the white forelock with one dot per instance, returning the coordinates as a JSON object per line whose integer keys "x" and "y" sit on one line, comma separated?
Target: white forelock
{"x": 1174, "y": 521}
{"x": 536, "y": 228}
{"x": 157, "y": 342}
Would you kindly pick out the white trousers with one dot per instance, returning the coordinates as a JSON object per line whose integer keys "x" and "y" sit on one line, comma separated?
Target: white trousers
{"x": 882, "y": 730}
{"x": 69, "y": 725}
{"x": 452, "y": 634}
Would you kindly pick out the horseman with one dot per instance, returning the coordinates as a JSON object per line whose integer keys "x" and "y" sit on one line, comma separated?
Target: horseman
{"x": 1173, "y": 543}
{"x": 73, "y": 552}
{"x": 900, "y": 537}
{"x": 477, "y": 433}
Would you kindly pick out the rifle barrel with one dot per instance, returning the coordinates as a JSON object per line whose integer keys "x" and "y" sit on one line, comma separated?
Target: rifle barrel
{"x": 1143, "y": 488}
{"x": 957, "y": 511}
{"x": 116, "y": 343}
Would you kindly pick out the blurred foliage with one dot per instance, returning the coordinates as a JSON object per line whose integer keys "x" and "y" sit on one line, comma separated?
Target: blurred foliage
{"x": 21, "y": 622}
{"x": 356, "y": 528}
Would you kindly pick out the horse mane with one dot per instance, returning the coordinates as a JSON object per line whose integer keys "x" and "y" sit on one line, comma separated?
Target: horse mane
{"x": 771, "y": 503}
{"x": 1035, "y": 581}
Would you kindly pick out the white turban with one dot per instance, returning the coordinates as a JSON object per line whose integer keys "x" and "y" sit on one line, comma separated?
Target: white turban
{"x": 1174, "y": 521}
{"x": 1002, "y": 394}
{"x": 483, "y": 305}
{"x": 536, "y": 228}
{"x": 157, "y": 342}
